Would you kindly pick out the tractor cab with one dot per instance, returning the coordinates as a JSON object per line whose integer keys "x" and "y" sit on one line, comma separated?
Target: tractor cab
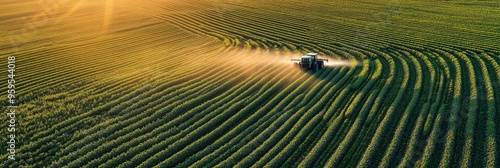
{"x": 309, "y": 58}
{"x": 310, "y": 61}
{"x": 312, "y": 55}
{"x": 306, "y": 59}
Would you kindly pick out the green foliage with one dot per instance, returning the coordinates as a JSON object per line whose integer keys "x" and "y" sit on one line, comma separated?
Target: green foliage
{"x": 203, "y": 84}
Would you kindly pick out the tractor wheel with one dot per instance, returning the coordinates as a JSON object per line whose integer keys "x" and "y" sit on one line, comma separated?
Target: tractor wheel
{"x": 315, "y": 67}
{"x": 321, "y": 65}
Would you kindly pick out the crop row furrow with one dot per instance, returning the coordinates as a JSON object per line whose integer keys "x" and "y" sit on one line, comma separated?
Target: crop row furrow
{"x": 263, "y": 150}
{"x": 176, "y": 93}
{"x": 362, "y": 80}
{"x": 239, "y": 137}
{"x": 343, "y": 85}
{"x": 215, "y": 128}
{"x": 391, "y": 152}
{"x": 129, "y": 129}
{"x": 212, "y": 106}
{"x": 127, "y": 82}
{"x": 62, "y": 70}
{"x": 245, "y": 124}
{"x": 375, "y": 144}
{"x": 107, "y": 106}
{"x": 490, "y": 113}
{"x": 244, "y": 150}
{"x": 353, "y": 131}
{"x": 111, "y": 111}
{"x": 451, "y": 133}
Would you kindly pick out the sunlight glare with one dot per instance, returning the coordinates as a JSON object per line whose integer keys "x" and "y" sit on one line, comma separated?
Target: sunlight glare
{"x": 107, "y": 15}
{"x": 71, "y": 11}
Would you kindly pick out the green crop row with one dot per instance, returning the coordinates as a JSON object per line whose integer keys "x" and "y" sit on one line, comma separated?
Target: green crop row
{"x": 394, "y": 144}
{"x": 129, "y": 131}
{"x": 214, "y": 128}
{"x": 490, "y": 123}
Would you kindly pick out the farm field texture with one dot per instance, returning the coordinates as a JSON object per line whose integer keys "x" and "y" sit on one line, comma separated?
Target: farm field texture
{"x": 178, "y": 83}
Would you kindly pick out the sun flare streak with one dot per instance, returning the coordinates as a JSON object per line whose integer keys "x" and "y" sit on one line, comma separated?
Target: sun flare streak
{"x": 71, "y": 11}
{"x": 108, "y": 12}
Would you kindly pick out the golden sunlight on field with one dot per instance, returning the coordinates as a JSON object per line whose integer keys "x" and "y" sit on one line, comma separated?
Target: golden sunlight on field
{"x": 217, "y": 83}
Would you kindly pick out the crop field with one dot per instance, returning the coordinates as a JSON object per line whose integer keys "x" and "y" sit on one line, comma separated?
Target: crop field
{"x": 209, "y": 83}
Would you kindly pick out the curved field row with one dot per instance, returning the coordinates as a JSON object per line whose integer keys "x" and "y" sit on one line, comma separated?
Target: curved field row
{"x": 126, "y": 131}
{"x": 211, "y": 85}
{"x": 435, "y": 83}
{"x": 130, "y": 80}
{"x": 98, "y": 110}
{"x": 414, "y": 101}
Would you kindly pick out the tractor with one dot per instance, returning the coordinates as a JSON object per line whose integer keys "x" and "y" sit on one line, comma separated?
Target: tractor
{"x": 310, "y": 61}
